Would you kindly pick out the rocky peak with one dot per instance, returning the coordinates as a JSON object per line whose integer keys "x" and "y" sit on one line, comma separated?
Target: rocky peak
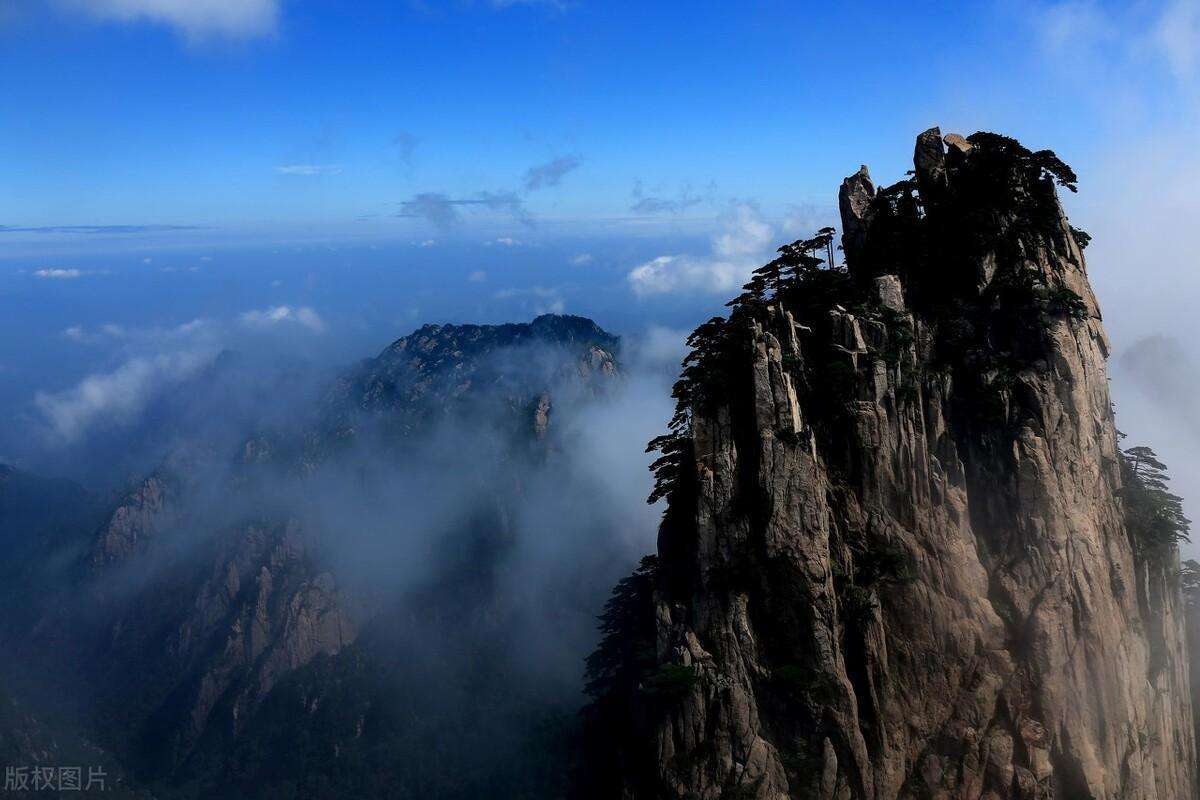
{"x": 430, "y": 346}
{"x": 895, "y": 561}
{"x": 854, "y": 201}
{"x": 440, "y": 370}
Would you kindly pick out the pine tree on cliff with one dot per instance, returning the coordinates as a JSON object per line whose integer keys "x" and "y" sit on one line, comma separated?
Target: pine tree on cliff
{"x": 1155, "y": 515}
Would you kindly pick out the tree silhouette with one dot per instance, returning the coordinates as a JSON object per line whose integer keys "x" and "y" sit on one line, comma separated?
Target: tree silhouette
{"x": 700, "y": 385}
{"x": 1189, "y": 583}
{"x": 1082, "y": 238}
{"x": 1043, "y": 164}
{"x": 1155, "y": 515}
{"x": 627, "y": 627}
{"x": 797, "y": 275}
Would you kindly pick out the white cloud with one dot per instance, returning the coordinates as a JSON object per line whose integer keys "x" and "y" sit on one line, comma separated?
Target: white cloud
{"x": 59, "y": 274}
{"x": 1091, "y": 37}
{"x": 80, "y": 334}
{"x": 505, "y": 241}
{"x": 153, "y": 359}
{"x": 743, "y": 245}
{"x": 745, "y": 233}
{"x": 548, "y": 300}
{"x": 656, "y": 276}
{"x": 478, "y": 276}
{"x": 1131, "y": 74}
{"x": 309, "y": 170}
{"x": 661, "y": 346}
{"x": 1177, "y": 36}
{"x": 195, "y": 19}
{"x": 1073, "y": 24}
{"x": 581, "y": 259}
{"x": 284, "y": 315}
{"x": 196, "y": 326}
{"x": 198, "y": 332}
{"x": 113, "y": 397}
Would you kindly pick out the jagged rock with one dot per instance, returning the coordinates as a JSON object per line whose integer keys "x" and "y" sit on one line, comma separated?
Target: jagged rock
{"x": 854, "y": 201}
{"x": 998, "y": 656}
{"x": 146, "y": 510}
{"x": 929, "y": 157}
{"x": 262, "y": 611}
{"x": 541, "y": 416}
{"x": 598, "y": 360}
{"x": 846, "y": 331}
{"x": 889, "y": 292}
{"x": 136, "y": 521}
{"x": 957, "y": 143}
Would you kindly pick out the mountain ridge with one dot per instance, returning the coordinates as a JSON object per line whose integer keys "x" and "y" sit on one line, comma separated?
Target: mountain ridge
{"x": 222, "y": 583}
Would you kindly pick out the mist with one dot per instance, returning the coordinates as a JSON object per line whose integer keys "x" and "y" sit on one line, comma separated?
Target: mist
{"x": 1156, "y": 381}
{"x": 450, "y": 543}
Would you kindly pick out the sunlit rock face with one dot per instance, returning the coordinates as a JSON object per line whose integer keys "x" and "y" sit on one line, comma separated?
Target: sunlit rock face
{"x": 895, "y": 561}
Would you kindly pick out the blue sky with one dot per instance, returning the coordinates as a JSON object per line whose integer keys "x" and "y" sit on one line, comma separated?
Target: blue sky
{"x": 301, "y": 113}
{"x": 316, "y": 177}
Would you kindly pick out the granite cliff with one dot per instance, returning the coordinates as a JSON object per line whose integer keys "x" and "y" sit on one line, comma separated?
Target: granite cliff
{"x": 897, "y": 559}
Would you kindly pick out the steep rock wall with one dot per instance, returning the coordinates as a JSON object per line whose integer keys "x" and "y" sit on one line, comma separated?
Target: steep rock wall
{"x": 894, "y": 562}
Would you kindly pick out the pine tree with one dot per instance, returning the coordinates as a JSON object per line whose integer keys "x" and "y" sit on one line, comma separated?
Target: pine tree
{"x": 1189, "y": 583}
{"x": 627, "y": 627}
{"x": 1155, "y": 515}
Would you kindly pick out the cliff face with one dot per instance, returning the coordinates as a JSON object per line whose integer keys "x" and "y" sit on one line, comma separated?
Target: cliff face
{"x": 895, "y": 562}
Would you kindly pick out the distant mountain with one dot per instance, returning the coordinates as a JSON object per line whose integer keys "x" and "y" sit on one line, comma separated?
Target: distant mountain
{"x": 440, "y": 370}
{"x": 340, "y": 589}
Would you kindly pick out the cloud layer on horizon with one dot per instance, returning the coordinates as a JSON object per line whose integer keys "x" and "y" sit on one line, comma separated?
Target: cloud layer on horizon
{"x": 443, "y": 211}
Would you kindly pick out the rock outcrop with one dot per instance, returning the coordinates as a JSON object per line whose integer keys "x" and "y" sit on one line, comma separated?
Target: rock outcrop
{"x": 137, "y": 519}
{"x": 894, "y": 562}
{"x": 442, "y": 372}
